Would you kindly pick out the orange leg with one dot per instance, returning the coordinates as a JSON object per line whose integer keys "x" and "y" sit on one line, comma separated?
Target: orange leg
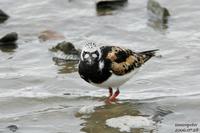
{"x": 110, "y": 92}
{"x": 113, "y": 97}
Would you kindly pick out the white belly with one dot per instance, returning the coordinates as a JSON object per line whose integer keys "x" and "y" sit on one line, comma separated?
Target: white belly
{"x": 115, "y": 80}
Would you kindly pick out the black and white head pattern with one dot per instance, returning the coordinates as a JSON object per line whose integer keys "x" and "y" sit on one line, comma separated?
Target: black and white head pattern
{"x": 90, "y": 53}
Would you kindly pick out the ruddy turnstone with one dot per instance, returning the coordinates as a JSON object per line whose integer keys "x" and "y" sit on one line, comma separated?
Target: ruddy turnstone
{"x": 110, "y": 66}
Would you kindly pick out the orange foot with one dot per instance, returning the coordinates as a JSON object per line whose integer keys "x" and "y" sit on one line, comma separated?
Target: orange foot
{"x": 112, "y": 98}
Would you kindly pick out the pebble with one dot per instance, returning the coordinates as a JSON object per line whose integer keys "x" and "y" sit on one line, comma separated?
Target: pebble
{"x": 105, "y": 7}
{"x": 50, "y": 35}
{"x": 3, "y": 16}
{"x": 66, "y": 47}
{"x": 9, "y": 38}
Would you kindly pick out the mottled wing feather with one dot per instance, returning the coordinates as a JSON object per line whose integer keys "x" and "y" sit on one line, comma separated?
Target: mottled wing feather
{"x": 124, "y": 60}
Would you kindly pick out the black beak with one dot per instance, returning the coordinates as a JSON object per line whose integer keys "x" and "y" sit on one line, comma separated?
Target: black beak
{"x": 90, "y": 61}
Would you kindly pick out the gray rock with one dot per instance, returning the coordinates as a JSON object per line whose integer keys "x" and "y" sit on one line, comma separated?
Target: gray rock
{"x": 66, "y": 56}
{"x": 3, "y": 16}
{"x": 157, "y": 16}
{"x": 157, "y": 12}
{"x": 8, "y": 42}
{"x": 105, "y": 7}
{"x": 65, "y": 53}
{"x": 9, "y": 39}
{"x": 66, "y": 47}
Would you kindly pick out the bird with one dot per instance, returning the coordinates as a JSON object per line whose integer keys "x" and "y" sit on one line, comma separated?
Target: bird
{"x": 110, "y": 66}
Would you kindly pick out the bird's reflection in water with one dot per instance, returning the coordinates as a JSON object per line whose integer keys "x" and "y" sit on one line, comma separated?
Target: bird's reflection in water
{"x": 96, "y": 122}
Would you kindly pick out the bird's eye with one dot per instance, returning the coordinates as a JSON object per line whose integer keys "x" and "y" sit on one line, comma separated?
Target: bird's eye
{"x": 94, "y": 55}
{"x": 86, "y": 55}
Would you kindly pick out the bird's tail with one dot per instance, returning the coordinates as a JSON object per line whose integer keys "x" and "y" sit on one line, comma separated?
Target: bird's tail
{"x": 146, "y": 55}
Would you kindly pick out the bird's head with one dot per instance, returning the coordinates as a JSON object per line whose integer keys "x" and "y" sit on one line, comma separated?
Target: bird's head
{"x": 90, "y": 53}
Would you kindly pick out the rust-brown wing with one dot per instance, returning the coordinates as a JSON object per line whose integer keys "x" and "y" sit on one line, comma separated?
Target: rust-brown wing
{"x": 124, "y": 60}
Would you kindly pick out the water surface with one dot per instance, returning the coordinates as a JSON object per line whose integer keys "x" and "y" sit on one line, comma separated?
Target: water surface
{"x": 39, "y": 96}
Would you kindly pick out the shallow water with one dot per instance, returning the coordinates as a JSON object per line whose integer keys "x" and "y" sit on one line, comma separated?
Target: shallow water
{"x": 39, "y": 96}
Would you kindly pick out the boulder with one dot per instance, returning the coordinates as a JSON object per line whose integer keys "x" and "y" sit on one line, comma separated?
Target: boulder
{"x": 105, "y": 7}
{"x": 8, "y": 39}
{"x": 50, "y": 35}
{"x": 3, "y": 16}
